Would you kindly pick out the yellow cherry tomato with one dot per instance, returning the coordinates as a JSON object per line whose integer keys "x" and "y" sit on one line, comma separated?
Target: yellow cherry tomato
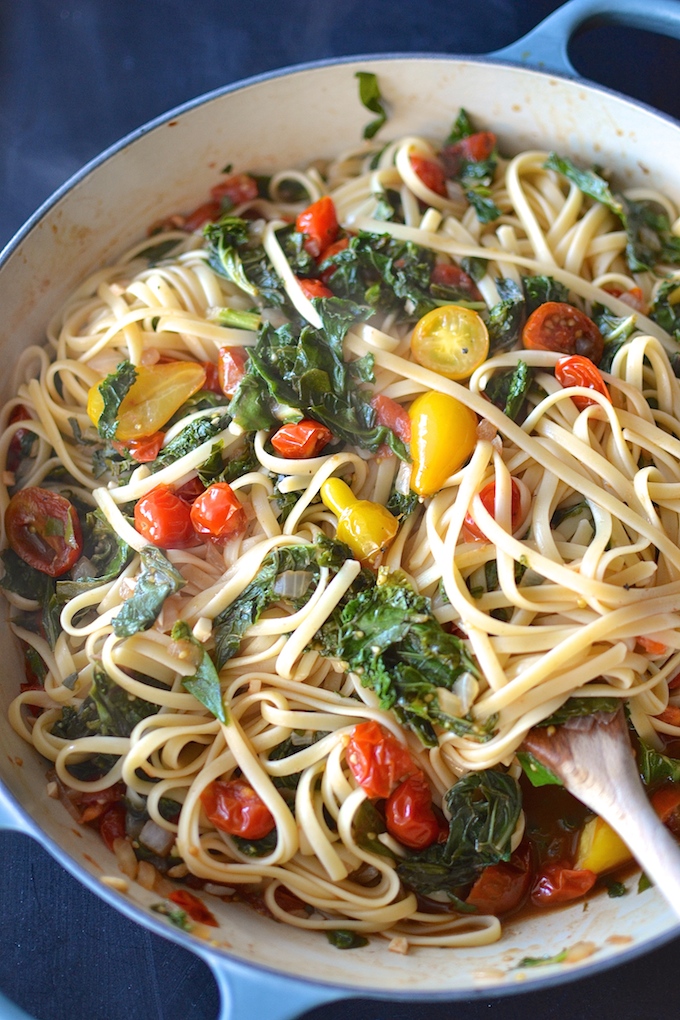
{"x": 443, "y": 435}
{"x": 367, "y": 528}
{"x": 155, "y": 395}
{"x": 452, "y": 340}
{"x": 600, "y": 848}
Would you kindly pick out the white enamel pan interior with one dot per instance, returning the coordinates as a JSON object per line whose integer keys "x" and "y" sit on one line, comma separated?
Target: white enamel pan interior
{"x": 264, "y": 969}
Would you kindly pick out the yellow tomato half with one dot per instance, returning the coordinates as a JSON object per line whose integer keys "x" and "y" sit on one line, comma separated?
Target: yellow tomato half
{"x": 443, "y": 435}
{"x": 157, "y": 392}
{"x": 452, "y": 340}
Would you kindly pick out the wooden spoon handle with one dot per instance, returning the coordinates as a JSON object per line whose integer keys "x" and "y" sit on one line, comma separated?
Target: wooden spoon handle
{"x": 594, "y": 759}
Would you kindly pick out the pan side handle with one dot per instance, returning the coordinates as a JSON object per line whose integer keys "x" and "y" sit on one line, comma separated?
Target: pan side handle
{"x": 247, "y": 992}
{"x": 546, "y": 46}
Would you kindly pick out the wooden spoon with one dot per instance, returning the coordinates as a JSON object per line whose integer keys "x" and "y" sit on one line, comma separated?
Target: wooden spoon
{"x": 593, "y": 757}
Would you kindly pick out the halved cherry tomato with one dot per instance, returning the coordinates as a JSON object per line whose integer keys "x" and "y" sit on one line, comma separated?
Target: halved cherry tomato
{"x": 430, "y": 173}
{"x": 409, "y": 815}
{"x": 112, "y": 824}
{"x": 473, "y": 149}
{"x": 579, "y": 371}
{"x": 237, "y": 188}
{"x": 164, "y": 519}
{"x": 651, "y": 647}
{"x": 377, "y": 760}
{"x": 391, "y": 414}
{"x": 157, "y": 392}
{"x": 666, "y": 803}
{"x": 328, "y": 253}
{"x": 231, "y": 367}
{"x": 503, "y": 887}
{"x": 195, "y": 908}
{"x": 446, "y": 274}
{"x": 300, "y": 439}
{"x": 319, "y": 223}
{"x": 43, "y": 529}
{"x": 15, "y": 452}
{"x": 473, "y": 533}
{"x": 234, "y": 807}
{"x": 314, "y": 288}
{"x": 559, "y": 882}
{"x": 558, "y": 326}
{"x": 205, "y": 213}
{"x": 452, "y": 340}
{"x": 218, "y": 512}
{"x": 142, "y": 450}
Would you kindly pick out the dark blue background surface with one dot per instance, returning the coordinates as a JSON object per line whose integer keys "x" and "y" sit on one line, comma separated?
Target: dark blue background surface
{"x": 75, "y": 77}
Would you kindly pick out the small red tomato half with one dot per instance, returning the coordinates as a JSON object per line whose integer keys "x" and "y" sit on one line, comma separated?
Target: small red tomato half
{"x": 301, "y": 439}
{"x": 445, "y": 274}
{"x": 319, "y": 223}
{"x": 472, "y": 531}
{"x": 330, "y": 251}
{"x": 218, "y": 513}
{"x": 430, "y": 173}
{"x": 205, "y": 213}
{"x": 142, "y": 450}
{"x": 231, "y": 367}
{"x": 112, "y": 824}
{"x": 559, "y": 883}
{"x": 212, "y": 377}
{"x": 409, "y": 816}
{"x": 43, "y": 529}
{"x": 377, "y": 760}
{"x": 236, "y": 189}
{"x": 558, "y": 326}
{"x": 195, "y": 908}
{"x": 163, "y": 519}
{"x": 314, "y": 288}
{"x": 235, "y": 808}
{"x": 16, "y": 451}
{"x": 473, "y": 149}
{"x": 579, "y": 371}
{"x": 503, "y": 887}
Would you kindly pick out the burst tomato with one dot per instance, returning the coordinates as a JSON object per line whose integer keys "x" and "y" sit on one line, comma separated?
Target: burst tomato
{"x": 205, "y": 213}
{"x": 473, "y": 149}
{"x": 558, "y": 326}
{"x": 579, "y": 371}
{"x": 236, "y": 189}
{"x": 217, "y": 512}
{"x": 445, "y": 274}
{"x": 231, "y": 367}
{"x": 314, "y": 288}
{"x": 472, "y": 531}
{"x": 212, "y": 377}
{"x": 43, "y": 529}
{"x": 142, "y": 450}
{"x": 164, "y": 519}
{"x": 377, "y": 760}
{"x": 235, "y": 808}
{"x": 319, "y": 223}
{"x": 559, "y": 882}
{"x": 19, "y": 440}
{"x": 301, "y": 439}
{"x": 503, "y": 887}
{"x": 409, "y": 815}
{"x": 112, "y": 824}
{"x": 430, "y": 173}
{"x": 666, "y": 803}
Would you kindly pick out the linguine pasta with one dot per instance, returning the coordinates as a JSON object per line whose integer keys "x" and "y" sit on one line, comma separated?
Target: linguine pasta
{"x": 577, "y": 598}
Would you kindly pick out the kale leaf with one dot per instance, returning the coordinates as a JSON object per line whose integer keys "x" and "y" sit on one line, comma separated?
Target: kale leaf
{"x": 576, "y": 707}
{"x": 655, "y": 767}
{"x": 587, "y": 181}
{"x": 474, "y": 175}
{"x": 665, "y": 308}
{"x": 505, "y": 319}
{"x": 157, "y": 580}
{"x": 113, "y": 389}
{"x": 107, "y": 552}
{"x": 232, "y": 253}
{"x": 369, "y": 94}
{"x": 508, "y": 390}
{"x": 198, "y": 431}
{"x": 539, "y": 289}
{"x": 205, "y": 682}
{"x": 107, "y": 710}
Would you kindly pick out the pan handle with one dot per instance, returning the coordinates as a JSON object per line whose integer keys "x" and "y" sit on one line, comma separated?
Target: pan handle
{"x": 247, "y": 992}
{"x": 8, "y": 1011}
{"x": 546, "y": 46}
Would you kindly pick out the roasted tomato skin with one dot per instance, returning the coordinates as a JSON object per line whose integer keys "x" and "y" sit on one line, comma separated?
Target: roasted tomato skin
{"x": 502, "y": 888}
{"x": 235, "y": 808}
{"x": 164, "y": 519}
{"x": 319, "y": 223}
{"x": 231, "y": 367}
{"x": 472, "y": 532}
{"x": 218, "y": 513}
{"x": 44, "y": 530}
{"x": 575, "y": 370}
{"x": 301, "y": 439}
{"x": 558, "y": 882}
{"x": 409, "y": 814}
{"x": 377, "y": 760}
{"x": 558, "y": 326}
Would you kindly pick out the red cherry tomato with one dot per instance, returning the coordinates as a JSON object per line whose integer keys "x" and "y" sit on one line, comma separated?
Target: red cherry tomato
{"x": 652, "y": 647}
{"x": 142, "y": 450}
{"x": 472, "y": 531}
{"x": 43, "y": 529}
{"x": 503, "y": 887}
{"x": 445, "y": 274}
{"x": 112, "y": 824}
{"x": 409, "y": 815}
{"x": 319, "y": 223}
{"x": 377, "y": 760}
{"x": 559, "y": 883}
{"x": 15, "y": 451}
{"x": 305, "y": 438}
{"x": 190, "y": 490}
{"x": 558, "y": 326}
{"x": 473, "y": 149}
{"x": 329, "y": 252}
{"x": 164, "y": 519}
{"x": 236, "y": 189}
{"x": 666, "y": 803}
{"x": 212, "y": 377}
{"x": 91, "y": 805}
{"x": 195, "y": 908}
{"x": 217, "y": 512}
{"x": 314, "y": 288}
{"x": 205, "y": 213}
{"x": 633, "y": 297}
{"x": 231, "y": 367}
{"x": 579, "y": 371}
{"x": 391, "y": 414}
{"x": 235, "y": 808}
{"x": 430, "y": 173}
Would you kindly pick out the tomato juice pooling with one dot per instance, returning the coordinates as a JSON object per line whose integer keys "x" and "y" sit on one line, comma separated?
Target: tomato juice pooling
{"x": 323, "y": 496}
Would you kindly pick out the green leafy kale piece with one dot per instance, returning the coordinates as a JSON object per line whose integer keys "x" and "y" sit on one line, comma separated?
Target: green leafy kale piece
{"x": 257, "y": 847}
{"x": 505, "y": 319}
{"x": 655, "y": 767}
{"x": 616, "y": 331}
{"x": 233, "y": 254}
{"x": 665, "y": 308}
{"x": 305, "y": 372}
{"x": 539, "y": 289}
{"x": 369, "y": 94}
{"x": 114, "y": 389}
{"x": 536, "y": 772}
{"x": 202, "y": 400}
{"x": 205, "y": 682}
{"x": 484, "y": 808}
{"x": 368, "y": 824}
{"x": 107, "y": 710}
{"x": 24, "y": 580}
{"x": 343, "y": 938}
{"x": 157, "y": 580}
{"x": 107, "y": 552}
{"x": 587, "y": 181}
{"x": 575, "y": 707}
{"x": 175, "y": 915}
{"x": 402, "y": 504}
{"x": 462, "y": 127}
{"x": 215, "y": 469}
{"x": 508, "y": 390}
{"x": 475, "y": 176}
{"x": 388, "y": 635}
{"x": 198, "y": 431}
{"x": 651, "y": 241}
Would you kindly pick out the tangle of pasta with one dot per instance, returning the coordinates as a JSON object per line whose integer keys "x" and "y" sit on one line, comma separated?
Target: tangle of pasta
{"x": 594, "y": 611}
